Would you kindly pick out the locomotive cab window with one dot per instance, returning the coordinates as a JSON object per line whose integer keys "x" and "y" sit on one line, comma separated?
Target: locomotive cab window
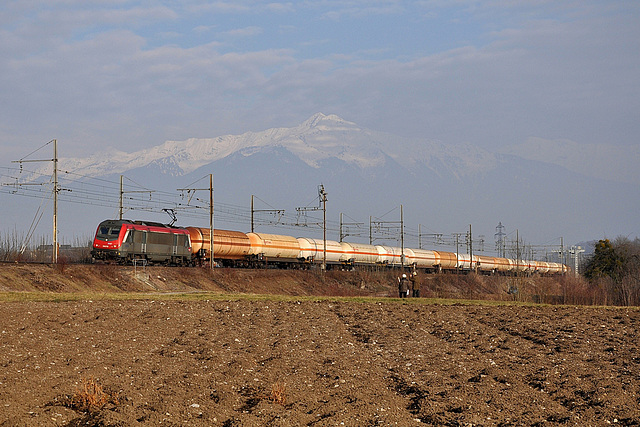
{"x": 108, "y": 233}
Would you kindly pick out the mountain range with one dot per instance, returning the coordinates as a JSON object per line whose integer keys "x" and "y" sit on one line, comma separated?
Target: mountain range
{"x": 442, "y": 188}
{"x": 314, "y": 141}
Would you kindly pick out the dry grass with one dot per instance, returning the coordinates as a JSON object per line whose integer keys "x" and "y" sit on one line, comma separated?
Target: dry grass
{"x": 90, "y": 396}
{"x": 278, "y": 393}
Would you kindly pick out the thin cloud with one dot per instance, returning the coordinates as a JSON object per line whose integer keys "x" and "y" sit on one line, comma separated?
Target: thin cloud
{"x": 280, "y": 7}
{"x": 243, "y": 32}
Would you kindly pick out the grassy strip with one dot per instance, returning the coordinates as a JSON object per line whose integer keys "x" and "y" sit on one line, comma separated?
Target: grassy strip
{"x": 211, "y": 296}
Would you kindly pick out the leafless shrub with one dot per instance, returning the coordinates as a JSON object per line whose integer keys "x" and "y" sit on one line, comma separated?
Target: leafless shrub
{"x": 15, "y": 246}
{"x": 10, "y": 246}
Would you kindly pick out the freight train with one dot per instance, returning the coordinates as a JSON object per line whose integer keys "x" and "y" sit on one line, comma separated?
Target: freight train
{"x": 124, "y": 241}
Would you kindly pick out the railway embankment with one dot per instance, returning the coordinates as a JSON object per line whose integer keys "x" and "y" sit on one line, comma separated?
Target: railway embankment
{"x": 82, "y": 278}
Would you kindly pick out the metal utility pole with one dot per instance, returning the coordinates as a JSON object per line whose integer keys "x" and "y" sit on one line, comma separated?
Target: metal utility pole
{"x": 211, "y": 250}
{"x": 517, "y": 251}
{"x": 56, "y": 190}
{"x": 390, "y": 228}
{"x": 370, "y": 230}
{"x": 211, "y": 217}
{"x": 401, "y": 239}
{"x": 436, "y": 238}
{"x": 345, "y": 230}
{"x": 471, "y": 265}
{"x": 562, "y": 254}
{"x": 121, "y": 196}
{"x": 122, "y": 193}
{"x": 322, "y": 197}
{"x": 279, "y": 212}
{"x": 457, "y": 235}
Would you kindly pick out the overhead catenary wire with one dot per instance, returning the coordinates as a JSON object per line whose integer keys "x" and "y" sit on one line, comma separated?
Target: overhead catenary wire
{"x": 77, "y": 188}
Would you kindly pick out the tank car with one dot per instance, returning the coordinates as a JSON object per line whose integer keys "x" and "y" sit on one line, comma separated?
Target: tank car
{"x": 409, "y": 257}
{"x": 521, "y": 266}
{"x": 359, "y": 254}
{"x": 274, "y": 249}
{"x": 393, "y": 256}
{"x": 532, "y": 266}
{"x": 313, "y": 251}
{"x": 465, "y": 262}
{"x": 543, "y": 267}
{"x": 425, "y": 259}
{"x": 503, "y": 265}
{"x": 230, "y": 248}
{"x": 446, "y": 260}
{"x": 389, "y": 255}
{"x": 554, "y": 268}
{"x": 487, "y": 264}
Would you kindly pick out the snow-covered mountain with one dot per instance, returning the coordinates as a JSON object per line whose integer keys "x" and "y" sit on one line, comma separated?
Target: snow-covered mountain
{"x": 317, "y": 139}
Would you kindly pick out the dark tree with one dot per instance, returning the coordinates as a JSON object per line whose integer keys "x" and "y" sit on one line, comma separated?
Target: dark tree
{"x": 615, "y": 269}
{"x": 606, "y": 261}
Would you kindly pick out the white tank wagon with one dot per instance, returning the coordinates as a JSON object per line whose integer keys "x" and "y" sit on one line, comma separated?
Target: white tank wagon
{"x": 503, "y": 265}
{"x": 543, "y": 267}
{"x": 275, "y": 248}
{"x": 389, "y": 255}
{"x": 409, "y": 255}
{"x": 521, "y": 266}
{"x": 313, "y": 251}
{"x": 487, "y": 264}
{"x": 466, "y": 261}
{"x": 425, "y": 259}
{"x": 360, "y": 254}
{"x": 554, "y": 268}
{"x": 394, "y": 256}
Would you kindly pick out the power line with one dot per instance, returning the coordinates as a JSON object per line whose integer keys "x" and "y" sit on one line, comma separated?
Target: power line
{"x": 76, "y": 188}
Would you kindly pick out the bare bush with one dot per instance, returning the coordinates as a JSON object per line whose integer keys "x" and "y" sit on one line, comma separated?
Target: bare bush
{"x": 15, "y": 247}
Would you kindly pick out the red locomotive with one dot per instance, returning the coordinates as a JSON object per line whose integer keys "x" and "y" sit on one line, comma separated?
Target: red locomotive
{"x": 124, "y": 241}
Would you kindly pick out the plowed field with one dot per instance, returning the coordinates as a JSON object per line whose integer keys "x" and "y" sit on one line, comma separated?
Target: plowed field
{"x": 274, "y": 362}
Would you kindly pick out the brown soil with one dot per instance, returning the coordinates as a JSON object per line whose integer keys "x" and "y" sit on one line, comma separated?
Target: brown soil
{"x": 274, "y": 361}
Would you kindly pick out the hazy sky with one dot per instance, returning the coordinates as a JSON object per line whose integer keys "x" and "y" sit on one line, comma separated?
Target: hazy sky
{"x": 496, "y": 73}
